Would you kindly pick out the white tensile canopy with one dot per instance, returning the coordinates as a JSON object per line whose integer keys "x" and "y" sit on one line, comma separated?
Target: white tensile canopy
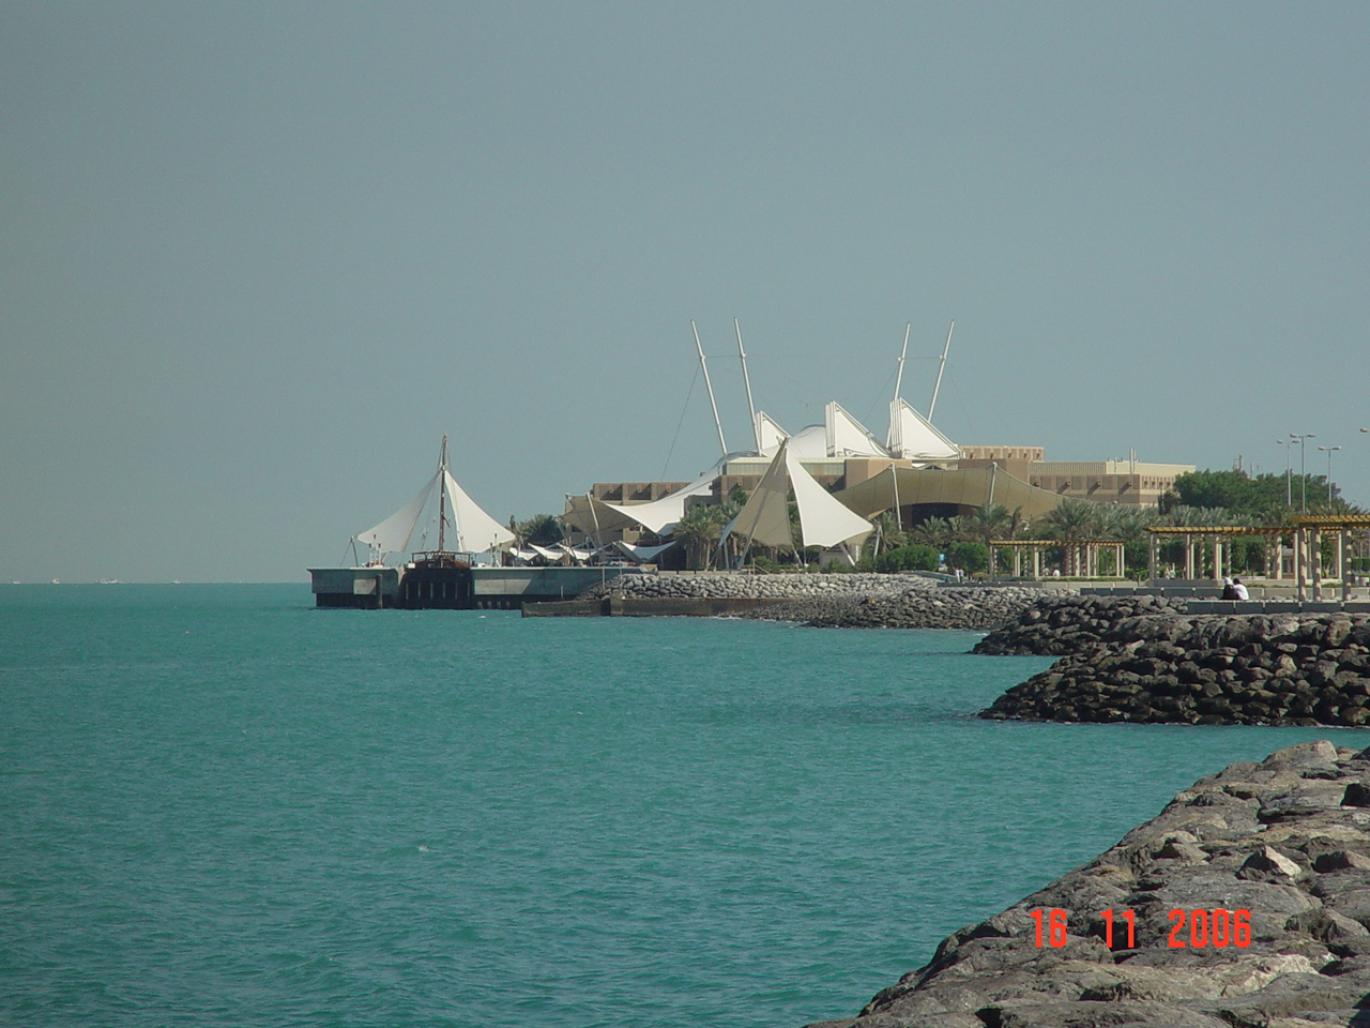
{"x": 847, "y": 437}
{"x": 769, "y": 433}
{"x": 392, "y": 535}
{"x": 643, "y": 554}
{"x": 579, "y": 555}
{"x": 823, "y": 520}
{"x": 661, "y": 515}
{"x": 912, "y": 436}
{"x": 474, "y": 530}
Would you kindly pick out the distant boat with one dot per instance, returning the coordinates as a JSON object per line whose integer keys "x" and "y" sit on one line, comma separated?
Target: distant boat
{"x": 56, "y": 581}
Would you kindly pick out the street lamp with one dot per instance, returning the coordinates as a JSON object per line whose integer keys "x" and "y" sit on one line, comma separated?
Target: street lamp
{"x": 1303, "y": 442}
{"x": 1288, "y": 470}
{"x": 1329, "y": 450}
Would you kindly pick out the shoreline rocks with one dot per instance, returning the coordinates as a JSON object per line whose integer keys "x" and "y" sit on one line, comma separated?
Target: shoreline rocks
{"x": 960, "y": 607}
{"x": 1285, "y": 669}
{"x": 1282, "y": 846}
{"x": 734, "y": 585}
{"x": 1057, "y": 625}
{"x": 836, "y": 600}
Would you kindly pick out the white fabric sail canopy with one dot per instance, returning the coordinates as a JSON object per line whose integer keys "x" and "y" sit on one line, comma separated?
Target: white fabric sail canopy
{"x": 824, "y": 521}
{"x": 643, "y": 554}
{"x": 392, "y": 535}
{"x": 847, "y": 437}
{"x": 765, "y": 517}
{"x": 547, "y": 553}
{"x": 912, "y": 436}
{"x": 661, "y": 515}
{"x": 769, "y": 432}
{"x": 476, "y": 530}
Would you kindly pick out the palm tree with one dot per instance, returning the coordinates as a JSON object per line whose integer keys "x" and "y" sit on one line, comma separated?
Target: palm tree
{"x": 1072, "y": 523}
{"x": 698, "y": 531}
{"x": 936, "y": 532}
{"x": 986, "y": 524}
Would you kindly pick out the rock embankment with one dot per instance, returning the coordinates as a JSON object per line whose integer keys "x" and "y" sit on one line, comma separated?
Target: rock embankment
{"x": 1299, "y": 669}
{"x": 1058, "y": 625}
{"x": 1274, "y": 856}
{"x": 960, "y": 607}
{"x": 732, "y": 585}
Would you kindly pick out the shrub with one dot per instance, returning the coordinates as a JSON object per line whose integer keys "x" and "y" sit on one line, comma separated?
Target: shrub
{"x": 912, "y": 557}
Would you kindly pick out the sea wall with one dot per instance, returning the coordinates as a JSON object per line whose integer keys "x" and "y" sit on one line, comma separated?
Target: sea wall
{"x": 1280, "y": 848}
{"x": 729, "y": 584}
{"x": 1208, "y": 669}
{"x": 960, "y": 607}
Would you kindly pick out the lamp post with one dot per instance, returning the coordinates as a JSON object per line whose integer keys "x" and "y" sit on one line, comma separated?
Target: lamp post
{"x": 1288, "y": 470}
{"x": 1303, "y": 489}
{"x": 1329, "y": 450}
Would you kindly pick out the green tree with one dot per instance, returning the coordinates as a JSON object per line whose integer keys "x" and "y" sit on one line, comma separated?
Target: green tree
{"x": 968, "y": 556}
{"x": 699, "y": 531}
{"x": 910, "y": 557}
{"x": 543, "y": 529}
{"x": 936, "y": 532}
{"x": 1072, "y": 523}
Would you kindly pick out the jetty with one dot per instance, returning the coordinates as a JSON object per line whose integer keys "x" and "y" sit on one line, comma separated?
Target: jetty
{"x": 1245, "y": 902}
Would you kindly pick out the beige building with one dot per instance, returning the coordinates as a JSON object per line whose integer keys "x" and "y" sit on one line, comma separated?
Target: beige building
{"x": 1132, "y": 482}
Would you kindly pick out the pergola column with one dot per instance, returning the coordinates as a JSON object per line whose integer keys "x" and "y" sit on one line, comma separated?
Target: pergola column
{"x": 1189, "y": 571}
{"x": 1315, "y": 561}
{"x": 1342, "y": 551}
{"x": 1036, "y": 561}
{"x": 1300, "y": 564}
{"x": 1151, "y": 556}
{"x": 1017, "y": 562}
{"x": 1217, "y": 558}
{"x": 1122, "y": 560}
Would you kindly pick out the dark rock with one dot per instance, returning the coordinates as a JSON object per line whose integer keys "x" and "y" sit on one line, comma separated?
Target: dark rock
{"x": 1304, "y": 880}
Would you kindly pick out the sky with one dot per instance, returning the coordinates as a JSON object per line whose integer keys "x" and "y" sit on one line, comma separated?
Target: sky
{"x": 257, "y": 257}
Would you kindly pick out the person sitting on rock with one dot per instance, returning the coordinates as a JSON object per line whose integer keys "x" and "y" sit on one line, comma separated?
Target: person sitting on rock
{"x": 1229, "y": 590}
{"x": 1242, "y": 593}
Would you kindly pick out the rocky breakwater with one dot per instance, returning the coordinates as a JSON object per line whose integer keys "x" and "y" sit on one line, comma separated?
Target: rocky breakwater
{"x": 734, "y": 585}
{"x": 1057, "y": 625}
{"x": 1250, "y": 906}
{"x": 962, "y": 607}
{"x": 1300, "y": 669}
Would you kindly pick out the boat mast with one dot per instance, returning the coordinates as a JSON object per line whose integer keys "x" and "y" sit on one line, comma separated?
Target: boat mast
{"x": 442, "y": 493}
{"x": 747, "y": 380}
{"x": 941, "y": 368}
{"x": 704, "y": 366}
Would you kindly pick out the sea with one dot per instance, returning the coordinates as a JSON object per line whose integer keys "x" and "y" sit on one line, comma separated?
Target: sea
{"x": 219, "y": 805}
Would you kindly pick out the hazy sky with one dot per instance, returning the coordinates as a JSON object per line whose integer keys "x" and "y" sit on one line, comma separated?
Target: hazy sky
{"x": 257, "y": 258}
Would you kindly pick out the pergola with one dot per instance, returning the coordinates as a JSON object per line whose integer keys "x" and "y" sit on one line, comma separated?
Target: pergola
{"x": 1082, "y": 554}
{"x": 1308, "y": 530}
{"x": 1198, "y": 538}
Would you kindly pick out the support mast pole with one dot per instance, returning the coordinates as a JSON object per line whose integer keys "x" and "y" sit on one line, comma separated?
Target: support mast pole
{"x": 747, "y": 380}
{"x": 899, "y": 378}
{"x": 898, "y": 381}
{"x": 941, "y": 367}
{"x": 442, "y": 494}
{"x": 704, "y": 366}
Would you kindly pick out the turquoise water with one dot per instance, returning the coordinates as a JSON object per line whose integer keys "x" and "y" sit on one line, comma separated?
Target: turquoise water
{"x": 220, "y": 805}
